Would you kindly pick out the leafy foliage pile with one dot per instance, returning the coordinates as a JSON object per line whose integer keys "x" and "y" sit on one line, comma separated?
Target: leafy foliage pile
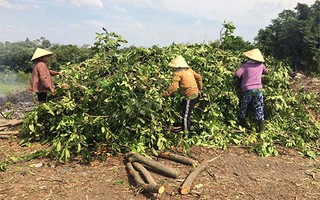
{"x": 114, "y": 102}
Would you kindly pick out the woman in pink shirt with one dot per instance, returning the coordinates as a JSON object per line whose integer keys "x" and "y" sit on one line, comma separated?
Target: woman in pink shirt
{"x": 251, "y": 86}
{"x": 41, "y": 82}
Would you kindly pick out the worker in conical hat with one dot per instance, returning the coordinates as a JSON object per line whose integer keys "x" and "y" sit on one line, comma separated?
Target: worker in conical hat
{"x": 41, "y": 81}
{"x": 190, "y": 84}
{"x": 251, "y": 86}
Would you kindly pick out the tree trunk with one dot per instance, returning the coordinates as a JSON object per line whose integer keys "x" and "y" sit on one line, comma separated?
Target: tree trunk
{"x": 178, "y": 158}
{"x": 152, "y": 164}
{"x": 140, "y": 184}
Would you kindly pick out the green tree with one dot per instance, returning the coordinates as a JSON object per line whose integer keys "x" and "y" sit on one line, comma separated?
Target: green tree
{"x": 294, "y": 36}
{"x": 68, "y": 54}
{"x": 15, "y": 56}
{"x": 230, "y": 42}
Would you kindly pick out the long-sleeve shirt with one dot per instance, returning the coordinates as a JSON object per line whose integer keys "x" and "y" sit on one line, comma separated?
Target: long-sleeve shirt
{"x": 187, "y": 80}
{"x": 41, "y": 79}
{"x": 251, "y": 73}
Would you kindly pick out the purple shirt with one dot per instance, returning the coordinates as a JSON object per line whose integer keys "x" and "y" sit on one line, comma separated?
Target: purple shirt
{"x": 251, "y": 75}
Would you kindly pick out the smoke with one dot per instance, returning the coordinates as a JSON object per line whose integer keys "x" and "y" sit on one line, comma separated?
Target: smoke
{"x": 11, "y": 82}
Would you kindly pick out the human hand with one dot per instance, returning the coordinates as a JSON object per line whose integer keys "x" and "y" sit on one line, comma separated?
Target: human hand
{"x": 64, "y": 85}
{"x": 51, "y": 89}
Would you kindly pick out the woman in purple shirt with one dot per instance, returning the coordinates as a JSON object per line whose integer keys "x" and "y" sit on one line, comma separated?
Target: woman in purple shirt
{"x": 251, "y": 85}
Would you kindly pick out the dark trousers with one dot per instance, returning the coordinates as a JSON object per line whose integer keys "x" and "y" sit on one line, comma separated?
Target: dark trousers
{"x": 42, "y": 97}
{"x": 187, "y": 107}
{"x": 257, "y": 97}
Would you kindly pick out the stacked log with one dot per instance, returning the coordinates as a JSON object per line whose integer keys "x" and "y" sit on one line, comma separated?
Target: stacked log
{"x": 138, "y": 168}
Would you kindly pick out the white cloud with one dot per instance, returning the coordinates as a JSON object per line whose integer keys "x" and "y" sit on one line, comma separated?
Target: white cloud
{"x": 119, "y": 9}
{"x": 138, "y": 3}
{"x": 12, "y": 29}
{"x": 95, "y": 23}
{"x": 75, "y": 26}
{"x": 142, "y": 22}
{"x": 91, "y": 3}
{"x": 16, "y": 6}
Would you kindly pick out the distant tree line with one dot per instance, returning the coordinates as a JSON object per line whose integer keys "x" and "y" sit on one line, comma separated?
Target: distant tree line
{"x": 16, "y": 56}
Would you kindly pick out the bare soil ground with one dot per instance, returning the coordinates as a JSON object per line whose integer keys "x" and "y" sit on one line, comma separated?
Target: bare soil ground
{"x": 235, "y": 174}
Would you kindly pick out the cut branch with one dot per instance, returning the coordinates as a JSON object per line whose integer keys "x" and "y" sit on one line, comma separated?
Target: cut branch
{"x": 140, "y": 184}
{"x": 178, "y": 158}
{"x": 152, "y": 164}
{"x": 186, "y": 185}
{"x": 97, "y": 116}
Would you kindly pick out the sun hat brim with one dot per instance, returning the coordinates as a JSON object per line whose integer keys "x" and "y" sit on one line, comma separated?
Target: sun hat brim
{"x": 254, "y": 54}
{"x": 178, "y": 62}
{"x": 40, "y": 53}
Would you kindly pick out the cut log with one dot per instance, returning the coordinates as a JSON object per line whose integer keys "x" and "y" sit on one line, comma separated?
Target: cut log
{"x": 186, "y": 185}
{"x": 9, "y": 132}
{"x": 16, "y": 122}
{"x": 12, "y": 123}
{"x": 178, "y": 158}
{"x": 6, "y": 137}
{"x": 140, "y": 184}
{"x": 145, "y": 173}
{"x": 152, "y": 164}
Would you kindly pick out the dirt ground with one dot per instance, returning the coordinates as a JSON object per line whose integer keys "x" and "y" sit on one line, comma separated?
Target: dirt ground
{"x": 234, "y": 174}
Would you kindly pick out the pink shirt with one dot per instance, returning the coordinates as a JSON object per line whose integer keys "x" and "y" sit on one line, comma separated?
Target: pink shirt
{"x": 41, "y": 78}
{"x": 251, "y": 73}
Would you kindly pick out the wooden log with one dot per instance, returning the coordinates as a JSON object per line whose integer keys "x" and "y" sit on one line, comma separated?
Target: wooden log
{"x": 152, "y": 164}
{"x": 9, "y": 132}
{"x": 140, "y": 184}
{"x": 12, "y": 123}
{"x": 6, "y": 137}
{"x": 16, "y": 122}
{"x": 178, "y": 158}
{"x": 145, "y": 173}
{"x": 186, "y": 185}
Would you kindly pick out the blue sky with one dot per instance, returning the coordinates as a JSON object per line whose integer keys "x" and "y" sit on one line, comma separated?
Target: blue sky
{"x": 140, "y": 22}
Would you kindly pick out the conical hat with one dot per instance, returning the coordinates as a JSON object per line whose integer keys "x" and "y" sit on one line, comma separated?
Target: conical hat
{"x": 39, "y": 53}
{"x": 254, "y": 54}
{"x": 178, "y": 62}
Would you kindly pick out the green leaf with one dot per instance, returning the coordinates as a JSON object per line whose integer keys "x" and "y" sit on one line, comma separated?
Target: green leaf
{"x": 118, "y": 182}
